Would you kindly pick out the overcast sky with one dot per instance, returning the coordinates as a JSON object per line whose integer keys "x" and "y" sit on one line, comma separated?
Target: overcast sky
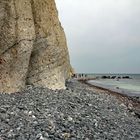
{"x": 103, "y": 36}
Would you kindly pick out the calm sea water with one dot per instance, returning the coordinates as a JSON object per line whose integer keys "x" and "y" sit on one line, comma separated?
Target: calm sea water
{"x": 130, "y": 87}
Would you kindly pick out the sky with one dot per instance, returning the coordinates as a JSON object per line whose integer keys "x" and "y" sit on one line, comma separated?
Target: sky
{"x": 103, "y": 36}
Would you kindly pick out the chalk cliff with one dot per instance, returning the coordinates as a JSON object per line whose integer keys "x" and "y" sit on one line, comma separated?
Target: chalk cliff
{"x": 33, "y": 47}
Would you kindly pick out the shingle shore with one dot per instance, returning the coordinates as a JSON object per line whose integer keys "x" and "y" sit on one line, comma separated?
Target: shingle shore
{"x": 77, "y": 113}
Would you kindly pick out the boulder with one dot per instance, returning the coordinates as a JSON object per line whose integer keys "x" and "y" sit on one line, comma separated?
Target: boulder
{"x": 126, "y": 77}
{"x": 105, "y": 77}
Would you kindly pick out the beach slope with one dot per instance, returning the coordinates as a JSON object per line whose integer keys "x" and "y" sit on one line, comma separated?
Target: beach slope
{"x": 79, "y": 112}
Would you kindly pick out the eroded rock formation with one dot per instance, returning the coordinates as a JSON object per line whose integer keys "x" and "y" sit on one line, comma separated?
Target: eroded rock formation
{"x": 33, "y": 47}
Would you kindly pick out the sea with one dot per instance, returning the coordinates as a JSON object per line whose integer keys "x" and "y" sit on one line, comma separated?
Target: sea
{"x": 130, "y": 87}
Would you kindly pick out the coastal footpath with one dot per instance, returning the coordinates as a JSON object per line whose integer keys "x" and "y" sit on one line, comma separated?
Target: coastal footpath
{"x": 80, "y": 112}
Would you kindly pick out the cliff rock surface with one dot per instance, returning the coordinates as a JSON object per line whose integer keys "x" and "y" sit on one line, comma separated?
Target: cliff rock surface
{"x": 33, "y": 47}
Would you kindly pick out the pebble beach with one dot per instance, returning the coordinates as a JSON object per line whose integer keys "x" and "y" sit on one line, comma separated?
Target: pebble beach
{"x": 80, "y": 112}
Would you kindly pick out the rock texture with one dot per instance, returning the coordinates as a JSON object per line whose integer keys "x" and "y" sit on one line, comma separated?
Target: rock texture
{"x": 33, "y": 47}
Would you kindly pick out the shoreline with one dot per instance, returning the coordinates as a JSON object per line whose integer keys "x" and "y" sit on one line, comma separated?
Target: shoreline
{"x": 126, "y": 99}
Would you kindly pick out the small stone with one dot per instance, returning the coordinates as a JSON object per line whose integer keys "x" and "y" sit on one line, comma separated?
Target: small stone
{"x": 133, "y": 113}
{"x": 51, "y": 125}
{"x": 30, "y": 112}
{"x": 39, "y": 136}
{"x": 123, "y": 105}
{"x": 21, "y": 107}
{"x": 46, "y": 135}
{"x": 12, "y": 113}
{"x": 66, "y": 135}
{"x": 25, "y": 112}
{"x": 33, "y": 116}
{"x": 18, "y": 128}
{"x": 35, "y": 122}
{"x": 90, "y": 105}
{"x": 2, "y": 110}
{"x": 10, "y": 134}
{"x": 96, "y": 124}
{"x": 70, "y": 118}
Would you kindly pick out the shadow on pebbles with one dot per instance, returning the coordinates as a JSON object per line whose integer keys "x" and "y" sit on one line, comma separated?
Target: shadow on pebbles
{"x": 76, "y": 113}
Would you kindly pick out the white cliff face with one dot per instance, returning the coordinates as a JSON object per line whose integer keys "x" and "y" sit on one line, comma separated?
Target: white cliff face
{"x": 33, "y": 47}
